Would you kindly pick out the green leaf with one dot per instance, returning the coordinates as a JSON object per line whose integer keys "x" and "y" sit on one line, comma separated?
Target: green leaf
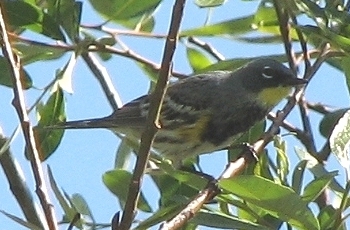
{"x": 22, "y": 14}
{"x": 326, "y": 217}
{"x": 197, "y": 59}
{"x": 248, "y": 137}
{"x": 298, "y": 176}
{"x": 162, "y": 214}
{"x": 82, "y": 206}
{"x": 314, "y": 11}
{"x": 191, "y": 179}
{"x": 231, "y": 27}
{"x": 151, "y": 73}
{"x": 209, "y": 3}
{"x": 123, "y": 9}
{"x": 51, "y": 113}
{"x": 282, "y": 159}
{"x": 69, "y": 211}
{"x": 33, "y": 52}
{"x": 266, "y": 20}
{"x": 123, "y": 154}
{"x": 109, "y": 41}
{"x": 329, "y": 121}
{"x": 244, "y": 211}
{"x": 176, "y": 186}
{"x": 265, "y": 16}
{"x": 317, "y": 169}
{"x": 6, "y": 75}
{"x": 144, "y": 23}
{"x": 263, "y": 168}
{"x": 68, "y": 14}
{"x": 345, "y": 201}
{"x": 261, "y": 39}
{"x": 338, "y": 41}
{"x": 219, "y": 220}
{"x": 117, "y": 181}
{"x": 345, "y": 64}
{"x": 317, "y": 186}
{"x": 64, "y": 76}
{"x": 232, "y": 64}
{"x": 340, "y": 140}
{"x": 270, "y": 196}
{"x": 20, "y": 221}
{"x": 169, "y": 189}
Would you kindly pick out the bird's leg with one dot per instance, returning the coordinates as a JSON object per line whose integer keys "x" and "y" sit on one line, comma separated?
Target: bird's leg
{"x": 246, "y": 148}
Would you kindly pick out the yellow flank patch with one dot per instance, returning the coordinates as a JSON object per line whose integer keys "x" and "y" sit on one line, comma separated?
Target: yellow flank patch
{"x": 272, "y": 96}
{"x": 193, "y": 133}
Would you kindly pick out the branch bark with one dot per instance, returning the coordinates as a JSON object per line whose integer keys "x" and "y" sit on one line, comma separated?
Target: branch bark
{"x": 152, "y": 124}
{"x": 19, "y": 104}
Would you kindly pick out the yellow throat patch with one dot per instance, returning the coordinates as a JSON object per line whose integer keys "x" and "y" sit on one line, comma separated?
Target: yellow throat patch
{"x": 272, "y": 96}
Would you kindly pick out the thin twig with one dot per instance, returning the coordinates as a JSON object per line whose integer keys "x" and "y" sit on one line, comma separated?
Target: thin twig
{"x": 101, "y": 48}
{"x": 116, "y": 32}
{"x": 104, "y": 79}
{"x": 320, "y": 108}
{"x": 282, "y": 16}
{"x": 153, "y": 115}
{"x": 134, "y": 56}
{"x": 325, "y": 151}
{"x": 289, "y": 127}
{"x": 207, "y": 47}
{"x": 59, "y": 45}
{"x": 310, "y": 144}
{"x": 18, "y": 186}
{"x": 19, "y": 104}
{"x": 303, "y": 43}
{"x": 324, "y": 54}
{"x": 301, "y": 135}
{"x": 191, "y": 209}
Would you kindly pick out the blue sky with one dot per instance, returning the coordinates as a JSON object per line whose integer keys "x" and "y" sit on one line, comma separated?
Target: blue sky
{"x": 84, "y": 155}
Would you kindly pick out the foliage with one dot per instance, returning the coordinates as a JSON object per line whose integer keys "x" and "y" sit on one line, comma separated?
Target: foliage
{"x": 271, "y": 194}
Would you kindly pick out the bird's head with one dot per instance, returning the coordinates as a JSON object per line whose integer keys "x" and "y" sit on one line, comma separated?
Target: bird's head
{"x": 269, "y": 79}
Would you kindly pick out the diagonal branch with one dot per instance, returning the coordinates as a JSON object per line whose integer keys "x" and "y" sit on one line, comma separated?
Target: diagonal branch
{"x": 152, "y": 124}
{"x": 282, "y": 16}
{"x": 19, "y": 104}
{"x": 104, "y": 79}
{"x": 18, "y": 185}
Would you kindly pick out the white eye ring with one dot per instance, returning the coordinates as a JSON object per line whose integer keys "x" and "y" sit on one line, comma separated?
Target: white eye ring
{"x": 265, "y": 75}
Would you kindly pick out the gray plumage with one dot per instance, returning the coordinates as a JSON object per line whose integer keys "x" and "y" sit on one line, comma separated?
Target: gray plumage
{"x": 219, "y": 105}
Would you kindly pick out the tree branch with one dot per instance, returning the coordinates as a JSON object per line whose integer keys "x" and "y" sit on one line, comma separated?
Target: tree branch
{"x": 104, "y": 79}
{"x": 19, "y": 104}
{"x": 152, "y": 124}
{"x": 207, "y": 47}
{"x": 18, "y": 186}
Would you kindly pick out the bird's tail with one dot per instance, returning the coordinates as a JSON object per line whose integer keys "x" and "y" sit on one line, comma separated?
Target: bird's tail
{"x": 105, "y": 122}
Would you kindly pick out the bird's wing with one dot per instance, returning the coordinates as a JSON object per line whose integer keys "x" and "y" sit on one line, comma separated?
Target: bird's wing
{"x": 132, "y": 114}
{"x": 197, "y": 92}
{"x": 184, "y": 98}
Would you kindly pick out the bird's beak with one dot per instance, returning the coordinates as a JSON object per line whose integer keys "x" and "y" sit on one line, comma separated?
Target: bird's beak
{"x": 295, "y": 81}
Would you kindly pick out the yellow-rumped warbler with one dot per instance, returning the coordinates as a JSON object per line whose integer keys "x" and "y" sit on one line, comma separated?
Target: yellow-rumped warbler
{"x": 205, "y": 112}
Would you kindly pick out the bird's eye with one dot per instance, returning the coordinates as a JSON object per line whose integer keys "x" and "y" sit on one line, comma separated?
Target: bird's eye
{"x": 267, "y": 72}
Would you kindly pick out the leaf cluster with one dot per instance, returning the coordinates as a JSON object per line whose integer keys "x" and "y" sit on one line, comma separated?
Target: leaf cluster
{"x": 269, "y": 194}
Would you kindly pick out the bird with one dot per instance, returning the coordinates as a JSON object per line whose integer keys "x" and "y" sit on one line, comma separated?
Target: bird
{"x": 205, "y": 112}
